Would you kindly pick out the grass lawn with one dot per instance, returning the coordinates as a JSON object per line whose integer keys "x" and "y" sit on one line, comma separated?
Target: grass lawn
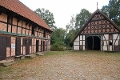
{"x": 66, "y": 65}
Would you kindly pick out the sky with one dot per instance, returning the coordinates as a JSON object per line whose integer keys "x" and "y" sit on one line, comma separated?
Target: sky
{"x": 64, "y": 9}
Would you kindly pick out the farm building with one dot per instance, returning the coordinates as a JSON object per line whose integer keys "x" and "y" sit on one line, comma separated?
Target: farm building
{"x": 99, "y": 33}
{"x": 22, "y": 32}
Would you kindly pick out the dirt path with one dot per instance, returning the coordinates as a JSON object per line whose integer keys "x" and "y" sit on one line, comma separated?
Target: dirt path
{"x": 66, "y": 66}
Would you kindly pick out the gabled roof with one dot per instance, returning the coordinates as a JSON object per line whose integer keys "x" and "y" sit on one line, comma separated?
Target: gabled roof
{"x": 97, "y": 11}
{"x": 19, "y": 8}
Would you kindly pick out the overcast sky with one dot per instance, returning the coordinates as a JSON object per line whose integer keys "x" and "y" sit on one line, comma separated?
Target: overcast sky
{"x": 64, "y": 9}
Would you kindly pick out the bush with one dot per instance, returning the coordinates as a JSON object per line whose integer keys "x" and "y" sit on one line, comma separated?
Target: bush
{"x": 57, "y": 47}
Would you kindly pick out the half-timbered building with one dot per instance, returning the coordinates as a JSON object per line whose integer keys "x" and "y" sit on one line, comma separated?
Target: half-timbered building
{"x": 99, "y": 33}
{"x": 22, "y": 32}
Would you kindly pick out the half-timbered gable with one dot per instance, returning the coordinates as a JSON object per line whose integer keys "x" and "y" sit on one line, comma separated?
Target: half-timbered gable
{"x": 22, "y": 32}
{"x": 99, "y": 33}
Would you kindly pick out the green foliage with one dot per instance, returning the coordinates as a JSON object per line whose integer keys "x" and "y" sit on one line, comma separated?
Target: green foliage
{"x": 57, "y": 47}
{"x": 112, "y": 10}
{"x": 47, "y": 16}
{"x": 75, "y": 24}
{"x": 57, "y": 39}
{"x": 58, "y": 36}
{"x": 82, "y": 18}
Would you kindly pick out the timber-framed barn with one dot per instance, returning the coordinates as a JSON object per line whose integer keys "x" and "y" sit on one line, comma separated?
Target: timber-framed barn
{"x": 22, "y": 32}
{"x": 99, "y": 33}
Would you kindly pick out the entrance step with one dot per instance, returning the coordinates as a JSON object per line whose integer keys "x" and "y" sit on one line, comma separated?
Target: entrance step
{"x": 39, "y": 54}
{"x": 6, "y": 63}
{"x": 30, "y": 56}
{"x": 19, "y": 57}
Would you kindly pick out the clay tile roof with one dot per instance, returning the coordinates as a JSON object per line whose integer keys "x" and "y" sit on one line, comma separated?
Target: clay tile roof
{"x": 19, "y": 8}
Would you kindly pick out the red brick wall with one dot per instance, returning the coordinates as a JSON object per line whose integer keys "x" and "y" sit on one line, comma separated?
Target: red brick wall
{"x": 22, "y": 28}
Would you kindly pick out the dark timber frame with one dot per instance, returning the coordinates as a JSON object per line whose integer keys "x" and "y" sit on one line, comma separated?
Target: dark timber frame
{"x": 102, "y": 29}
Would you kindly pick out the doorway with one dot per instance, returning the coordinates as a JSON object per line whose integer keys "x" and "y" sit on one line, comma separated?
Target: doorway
{"x": 18, "y": 47}
{"x": 2, "y": 47}
{"x": 37, "y": 45}
{"x": 93, "y": 43}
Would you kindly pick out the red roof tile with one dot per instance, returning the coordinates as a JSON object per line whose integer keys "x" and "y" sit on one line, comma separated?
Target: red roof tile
{"x": 19, "y": 8}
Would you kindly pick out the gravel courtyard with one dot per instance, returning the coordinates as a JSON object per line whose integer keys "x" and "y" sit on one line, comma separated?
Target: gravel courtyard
{"x": 65, "y": 65}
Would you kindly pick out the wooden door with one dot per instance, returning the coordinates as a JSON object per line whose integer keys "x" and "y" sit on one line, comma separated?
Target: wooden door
{"x": 2, "y": 47}
{"x": 37, "y": 45}
{"x": 43, "y": 45}
{"x": 27, "y": 46}
{"x": 18, "y": 47}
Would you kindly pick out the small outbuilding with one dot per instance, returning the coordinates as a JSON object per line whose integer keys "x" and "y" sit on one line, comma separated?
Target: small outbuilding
{"x": 99, "y": 33}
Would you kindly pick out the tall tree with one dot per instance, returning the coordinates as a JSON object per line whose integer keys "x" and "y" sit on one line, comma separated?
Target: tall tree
{"x": 112, "y": 10}
{"x": 58, "y": 36}
{"x": 81, "y": 18}
{"x": 47, "y": 16}
{"x": 75, "y": 24}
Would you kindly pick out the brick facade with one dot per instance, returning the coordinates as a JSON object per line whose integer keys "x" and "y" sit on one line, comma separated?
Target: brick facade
{"x": 22, "y": 36}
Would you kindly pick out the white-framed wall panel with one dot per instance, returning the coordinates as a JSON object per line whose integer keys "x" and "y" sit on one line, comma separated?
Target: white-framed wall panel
{"x": 83, "y": 42}
{"x": 115, "y": 36}
{"x": 77, "y": 39}
{"x": 83, "y": 37}
{"x": 76, "y": 43}
{"x": 80, "y": 42}
{"x": 106, "y": 36}
{"x": 104, "y": 48}
{"x": 83, "y": 47}
{"x": 80, "y": 37}
{"x": 76, "y": 47}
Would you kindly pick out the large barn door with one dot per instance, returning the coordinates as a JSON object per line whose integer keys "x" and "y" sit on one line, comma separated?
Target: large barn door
{"x": 93, "y": 43}
{"x": 2, "y": 47}
{"x": 18, "y": 47}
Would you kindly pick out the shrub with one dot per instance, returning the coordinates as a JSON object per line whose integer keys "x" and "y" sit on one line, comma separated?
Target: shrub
{"x": 57, "y": 47}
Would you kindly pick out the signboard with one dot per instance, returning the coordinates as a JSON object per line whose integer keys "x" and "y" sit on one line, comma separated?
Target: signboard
{"x": 12, "y": 46}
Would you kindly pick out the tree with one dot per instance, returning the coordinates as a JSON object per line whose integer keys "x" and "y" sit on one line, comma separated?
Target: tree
{"x": 58, "y": 36}
{"x": 57, "y": 39}
{"x": 47, "y": 16}
{"x": 75, "y": 24}
{"x": 112, "y": 10}
{"x": 81, "y": 18}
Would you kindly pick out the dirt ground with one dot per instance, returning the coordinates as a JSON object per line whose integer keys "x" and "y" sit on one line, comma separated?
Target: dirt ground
{"x": 66, "y": 65}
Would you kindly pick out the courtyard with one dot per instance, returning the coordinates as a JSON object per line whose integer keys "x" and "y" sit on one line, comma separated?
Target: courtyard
{"x": 65, "y": 65}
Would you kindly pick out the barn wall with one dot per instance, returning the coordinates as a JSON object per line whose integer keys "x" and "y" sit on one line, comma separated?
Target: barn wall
{"x": 14, "y": 27}
{"x": 109, "y": 42}
{"x": 76, "y": 43}
{"x": 79, "y": 43}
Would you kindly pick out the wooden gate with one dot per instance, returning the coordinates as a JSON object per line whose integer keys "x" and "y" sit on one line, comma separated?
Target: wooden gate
{"x": 18, "y": 47}
{"x": 2, "y": 47}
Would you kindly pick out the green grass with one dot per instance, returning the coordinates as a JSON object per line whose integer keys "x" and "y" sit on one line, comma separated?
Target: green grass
{"x": 80, "y": 52}
{"x": 5, "y": 69}
{"x": 56, "y": 53}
